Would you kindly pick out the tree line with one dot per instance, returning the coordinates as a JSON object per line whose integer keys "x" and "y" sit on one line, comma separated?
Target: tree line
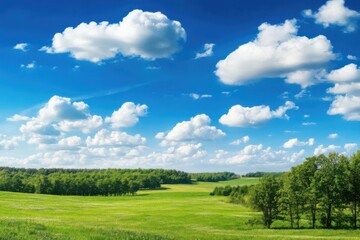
{"x": 213, "y": 176}
{"x": 87, "y": 182}
{"x": 237, "y": 194}
{"x": 262, "y": 174}
{"x": 323, "y": 191}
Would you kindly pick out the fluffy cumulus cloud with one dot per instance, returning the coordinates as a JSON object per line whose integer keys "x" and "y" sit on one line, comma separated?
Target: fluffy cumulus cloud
{"x": 323, "y": 150}
{"x": 334, "y": 12}
{"x": 114, "y": 138}
{"x": 348, "y": 73}
{"x": 17, "y": 118}
{"x": 197, "y": 128}
{"x": 294, "y": 142}
{"x": 148, "y": 35}
{"x": 257, "y": 156}
{"x": 239, "y": 116}
{"x": 277, "y": 51}
{"x": 348, "y": 106}
{"x": 350, "y": 147}
{"x": 208, "y": 51}
{"x": 9, "y": 143}
{"x": 127, "y": 115}
{"x": 61, "y": 114}
{"x": 347, "y": 90}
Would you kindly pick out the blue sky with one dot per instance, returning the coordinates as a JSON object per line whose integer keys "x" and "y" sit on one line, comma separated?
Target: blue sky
{"x": 192, "y": 85}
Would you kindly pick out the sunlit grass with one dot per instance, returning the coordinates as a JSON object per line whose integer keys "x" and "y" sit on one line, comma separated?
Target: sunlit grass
{"x": 176, "y": 212}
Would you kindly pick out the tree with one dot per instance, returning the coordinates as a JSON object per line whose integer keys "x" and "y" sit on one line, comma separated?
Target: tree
{"x": 265, "y": 197}
{"x": 354, "y": 186}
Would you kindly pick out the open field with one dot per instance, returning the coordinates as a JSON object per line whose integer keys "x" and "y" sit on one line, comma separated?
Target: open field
{"x": 176, "y": 212}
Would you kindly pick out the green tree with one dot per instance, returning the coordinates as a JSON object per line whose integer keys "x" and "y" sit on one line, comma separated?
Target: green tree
{"x": 354, "y": 186}
{"x": 265, "y": 197}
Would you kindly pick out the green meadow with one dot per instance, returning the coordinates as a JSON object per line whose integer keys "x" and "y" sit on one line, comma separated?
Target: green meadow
{"x": 184, "y": 211}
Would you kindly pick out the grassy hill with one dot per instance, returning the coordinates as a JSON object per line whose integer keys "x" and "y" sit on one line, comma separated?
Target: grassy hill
{"x": 175, "y": 212}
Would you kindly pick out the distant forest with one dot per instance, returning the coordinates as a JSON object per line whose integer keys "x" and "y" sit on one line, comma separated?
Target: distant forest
{"x": 91, "y": 182}
{"x": 213, "y": 176}
{"x": 87, "y": 182}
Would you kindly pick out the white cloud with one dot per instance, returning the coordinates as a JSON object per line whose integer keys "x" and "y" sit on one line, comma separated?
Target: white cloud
{"x": 21, "y": 46}
{"x": 333, "y": 135}
{"x": 208, "y": 51}
{"x": 306, "y": 116}
{"x": 61, "y": 108}
{"x": 348, "y": 106}
{"x": 302, "y": 94}
{"x": 29, "y": 65}
{"x": 72, "y": 141}
{"x": 306, "y": 78}
{"x": 323, "y": 150}
{"x": 148, "y": 35}
{"x": 196, "y": 96}
{"x": 276, "y": 52}
{"x": 239, "y": 116}
{"x": 35, "y": 126}
{"x": 294, "y": 142}
{"x": 334, "y": 12}
{"x": 87, "y": 125}
{"x": 244, "y": 139}
{"x": 17, "y": 118}
{"x": 345, "y": 74}
{"x": 60, "y": 114}
{"x": 9, "y": 143}
{"x": 127, "y": 115}
{"x": 114, "y": 138}
{"x": 350, "y": 147}
{"x": 308, "y": 123}
{"x": 351, "y": 57}
{"x": 345, "y": 88}
{"x": 198, "y": 128}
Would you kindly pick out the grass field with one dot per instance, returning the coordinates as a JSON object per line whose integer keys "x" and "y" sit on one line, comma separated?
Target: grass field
{"x": 176, "y": 212}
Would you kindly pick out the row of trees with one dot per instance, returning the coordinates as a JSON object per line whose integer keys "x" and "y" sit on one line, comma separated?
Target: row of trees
{"x": 237, "y": 194}
{"x": 262, "y": 174}
{"x": 323, "y": 191}
{"x": 87, "y": 182}
{"x": 213, "y": 176}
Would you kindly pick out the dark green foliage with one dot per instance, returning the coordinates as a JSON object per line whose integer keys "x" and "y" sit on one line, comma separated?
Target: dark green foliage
{"x": 263, "y": 174}
{"x": 324, "y": 191}
{"x": 213, "y": 176}
{"x": 265, "y": 197}
{"x": 236, "y": 194}
{"x": 87, "y": 182}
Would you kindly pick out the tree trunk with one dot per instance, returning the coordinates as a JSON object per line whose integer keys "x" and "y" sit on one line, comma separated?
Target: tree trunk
{"x": 313, "y": 215}
{"x": 328, "y": 217}
{"x": 355, "y": 214}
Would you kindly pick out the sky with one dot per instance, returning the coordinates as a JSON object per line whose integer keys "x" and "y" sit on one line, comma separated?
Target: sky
{"x": 192, "y": 85}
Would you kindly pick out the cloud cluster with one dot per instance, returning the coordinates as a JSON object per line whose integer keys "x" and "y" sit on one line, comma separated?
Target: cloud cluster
{"x": 197, "y": 128}
{"x": 334, "y": 12}
{"x": 347, "y": 91}
{"x": 148, "y": 35}
{"x": 127, "y": 115}
{"x": 277, "y": 51}
{"x": 239, "y": 116}
{"x": 323, "y": 150}
{"x": 294, "y": 142}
